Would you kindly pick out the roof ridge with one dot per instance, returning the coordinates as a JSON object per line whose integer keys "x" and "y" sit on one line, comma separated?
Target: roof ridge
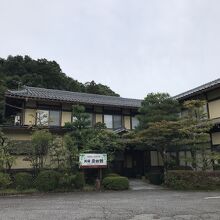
{"x": 117, "y": 97}
{"x": 198, "y": 88}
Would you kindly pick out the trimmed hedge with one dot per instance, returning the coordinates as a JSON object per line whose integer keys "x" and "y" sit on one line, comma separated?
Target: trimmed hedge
{"x": 47, "y": 180}
{"x": 112, "y": 175}
{"x": 209, "y": 180}
{"x": 5, "y": 180}
{"x": 23, "y": 181}
{"x": 116, "y": 183}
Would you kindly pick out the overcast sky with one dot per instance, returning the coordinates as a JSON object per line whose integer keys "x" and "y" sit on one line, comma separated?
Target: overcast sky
{"x": 133, "y": 46}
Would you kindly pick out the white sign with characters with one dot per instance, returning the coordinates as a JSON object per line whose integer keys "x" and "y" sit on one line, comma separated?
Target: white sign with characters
{"x": 93, "y": 160}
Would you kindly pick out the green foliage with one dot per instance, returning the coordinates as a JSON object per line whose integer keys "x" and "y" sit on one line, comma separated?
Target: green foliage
{"x": 84, "y": 139}
{"x": 67, "y": 181}
{"x": 82, "y": 120}
{"x": 57, "y": 153}
{"x": 20, "y": 147}
{"x": 41, "y": 141}
{"x": 116, "y": 183}
{"x": 79, "y": 181}
{"x": 163, "y": 130}
{"x": 6, "y": 158}
{"x": 72, "y": 152}
{"x": 5, "y": 180}
{"x": 47, "y": 180}
{"x": 23, "y": 181}
{"x": 193, "y": 180}
{"x": 158, "y": 107}
{"x": 92, "y": 87}
{"x": 195, "y": 129}
{"x": 162, "y": 136}
{"x": 104, "y": 141}
{"x": 2, "y": 92}
{"x": 18, "y": 70}
{"x": 112, "y": 175}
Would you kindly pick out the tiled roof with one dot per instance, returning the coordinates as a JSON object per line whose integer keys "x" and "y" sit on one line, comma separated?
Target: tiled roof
{"x": 74, "y": 97}
{"x": 198, "y": 90}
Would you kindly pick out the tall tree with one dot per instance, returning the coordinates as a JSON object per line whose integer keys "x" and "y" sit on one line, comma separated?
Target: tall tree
{"x": 157, "y": 107}
{"x": 6, "y": 158}
{"x": 16, "y": 71}
{"x": 195, "y": 127}
{"x": 84, "y": 138}
{"x": 162, "y": 136}
{"x": 41, "y": 142}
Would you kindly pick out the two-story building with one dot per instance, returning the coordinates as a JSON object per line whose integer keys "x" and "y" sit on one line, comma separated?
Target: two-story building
{"x": 210, "y": 92}
{"x": 25, "y": 106}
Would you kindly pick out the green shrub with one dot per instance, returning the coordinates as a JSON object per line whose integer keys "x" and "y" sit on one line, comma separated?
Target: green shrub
{"x": 23, "y": 181}
{"x": 79, "y": 181}
{"x": 5, "y": 180}
{"x": 193, "y": 180}
{"x": 112, "y": 175}
{"x": 116, "y": 183}
{"x": 47, "y": 180}
{"x": 67, "y": 181}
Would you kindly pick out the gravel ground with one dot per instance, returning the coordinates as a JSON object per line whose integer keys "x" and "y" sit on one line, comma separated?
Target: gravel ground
{"x": 135, "y": 205}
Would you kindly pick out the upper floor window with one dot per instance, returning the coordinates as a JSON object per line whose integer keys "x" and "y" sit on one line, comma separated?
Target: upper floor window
{"x": 108, "y": 121}
{"x": 117, "y": 121}
{"x": 90, "y": 119}
{"x": 113, "y": 121}
{"x": 48, "y": 118}
{"x": 42, "y": 117}
{"x": 134, "y": 122}
{"x": 54, "y": 118}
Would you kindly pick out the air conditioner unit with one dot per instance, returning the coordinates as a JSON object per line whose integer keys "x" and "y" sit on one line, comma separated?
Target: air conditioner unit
{"x": 17, "y": 120}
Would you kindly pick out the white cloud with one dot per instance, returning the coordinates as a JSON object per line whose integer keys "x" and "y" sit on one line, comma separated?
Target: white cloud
{"x": 134, "y": 47}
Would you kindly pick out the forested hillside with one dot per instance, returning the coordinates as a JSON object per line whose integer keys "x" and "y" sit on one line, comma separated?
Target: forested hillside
{"x": 16, "y": 71}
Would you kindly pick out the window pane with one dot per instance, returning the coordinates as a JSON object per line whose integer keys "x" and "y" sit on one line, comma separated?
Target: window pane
{"x": 54, "y": 118}
{"x": 90, "y": 118}
{"x": 117, "y": 121}
{"x": 135, "y": 122}
{"x": 154, "y": 158}
{"x": 108, "y": 121}
{"x": 42, "y": 117}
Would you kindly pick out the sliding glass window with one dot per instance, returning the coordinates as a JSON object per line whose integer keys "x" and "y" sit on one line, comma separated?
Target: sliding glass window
{"x": 54, "y": 118}
{"x": 117, "y": 121}
{"x": 108, "y": 121}
{"x": 134, "y": 122}
{"x": 42, "y": 117}
{"x": 48, "y": 118}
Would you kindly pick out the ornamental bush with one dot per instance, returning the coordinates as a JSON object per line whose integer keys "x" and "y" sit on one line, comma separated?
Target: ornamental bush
{"x": 67, "y": 181}
{"x": 23, "y": 181}
{"x": 47, "y": 180}
{"x": 112, "y": 175}
{"x": 5, "y": 180}
{"x": 79, "y": 181}
{"x": 208, "y": 180}
{"x": 116, "y": 183}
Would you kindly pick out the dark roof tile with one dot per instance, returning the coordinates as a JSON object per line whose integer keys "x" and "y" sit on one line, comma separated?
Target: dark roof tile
{"x": 74, "y": 97}
{"x": 198, "y": 90}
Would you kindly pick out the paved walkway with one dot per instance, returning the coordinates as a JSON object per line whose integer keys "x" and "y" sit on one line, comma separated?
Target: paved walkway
{"x": 119, "y": 205}
{"x": 138, "y": 184}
